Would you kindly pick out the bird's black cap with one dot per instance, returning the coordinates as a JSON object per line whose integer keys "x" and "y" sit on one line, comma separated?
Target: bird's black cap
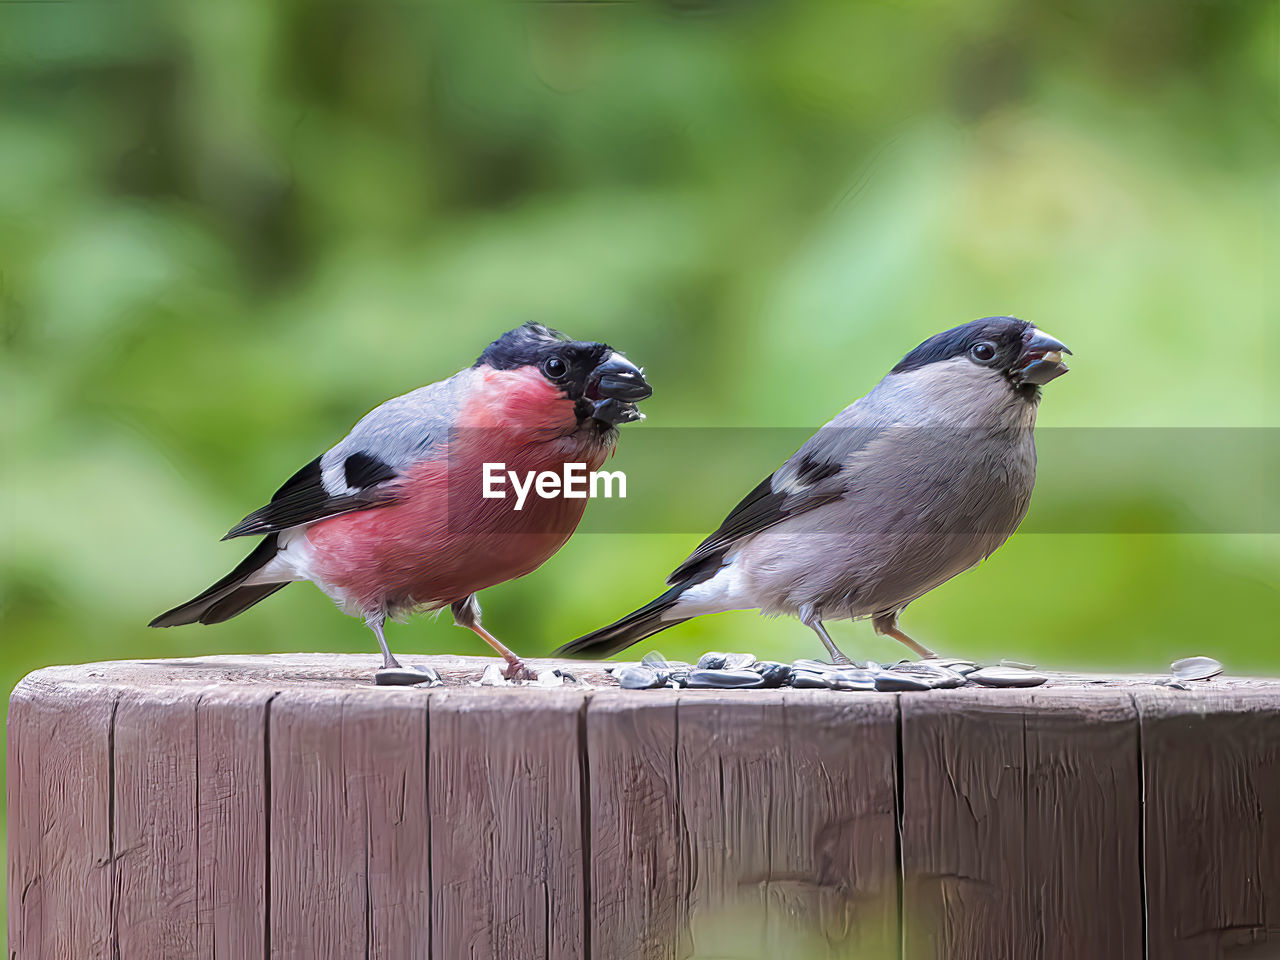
{"x": 1004, "y": 333}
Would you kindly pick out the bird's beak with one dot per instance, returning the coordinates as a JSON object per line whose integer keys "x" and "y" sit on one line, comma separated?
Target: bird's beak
{"x": 615, "y": 386}
{"x": 1041, "y": 358}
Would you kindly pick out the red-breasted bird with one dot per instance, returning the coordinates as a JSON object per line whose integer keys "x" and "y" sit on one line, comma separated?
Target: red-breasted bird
{"x": 394, "y": 518}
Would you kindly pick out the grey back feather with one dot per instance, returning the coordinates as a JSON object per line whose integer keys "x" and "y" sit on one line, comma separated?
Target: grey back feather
{"x": 359, "y": 472}
{"x": 813, "y": 476}
{"x": 401, "y": 432}
{"x": 936, "y": 468}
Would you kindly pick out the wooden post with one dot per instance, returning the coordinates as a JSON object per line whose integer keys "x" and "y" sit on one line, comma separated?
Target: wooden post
{"x": 282, "y": 807}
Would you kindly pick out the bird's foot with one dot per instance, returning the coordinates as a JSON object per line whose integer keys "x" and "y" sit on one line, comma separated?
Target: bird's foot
{"x": 516, "y": 670}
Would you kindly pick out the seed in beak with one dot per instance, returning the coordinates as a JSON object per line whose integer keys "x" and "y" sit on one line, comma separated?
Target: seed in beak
{"x": 1053, "y": 356}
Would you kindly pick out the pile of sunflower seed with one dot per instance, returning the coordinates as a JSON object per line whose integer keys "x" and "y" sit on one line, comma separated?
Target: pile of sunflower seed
{"x": 742, "y": 671}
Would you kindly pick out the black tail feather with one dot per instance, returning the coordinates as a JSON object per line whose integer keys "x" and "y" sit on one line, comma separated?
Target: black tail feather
{"x": 632, "y": 628}
{"x": 228, "y": 596}
{"x": 238, "y": 601}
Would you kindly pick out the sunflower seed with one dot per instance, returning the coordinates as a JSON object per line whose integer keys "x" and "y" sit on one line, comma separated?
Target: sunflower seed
{"x": 937, "y": 677}
{"x": 854, "y": 674}
{"x": 847, "y": 680}
{"x": 775, "y": 674}
{"x": 492, "y": 677}
{"x": 922, "y": 668}
{"x": 633, "y": 677}
{"x": 407, "y": 676}
{"x": 900, "y": 682}
{"x": 724, "y": 679}
{"x": 1195, "y": 668}
{"x": 1007, "y": 677}
{"x": 430, "y": 678}
{"x": 811, "y": 666}
{"x": 958, "y": 664}
{"x": 807, "y": 680}
{"x": 712, "y": 661}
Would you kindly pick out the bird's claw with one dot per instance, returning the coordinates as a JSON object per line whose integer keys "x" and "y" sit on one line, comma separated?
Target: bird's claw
{"x": 516, "y": 670}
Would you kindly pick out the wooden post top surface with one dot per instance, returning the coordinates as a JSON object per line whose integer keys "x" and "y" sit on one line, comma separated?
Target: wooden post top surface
{"x": 324, "y": 675}
{"x": 285, "y": 806}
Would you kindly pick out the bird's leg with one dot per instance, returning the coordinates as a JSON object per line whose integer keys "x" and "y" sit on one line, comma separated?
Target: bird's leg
{"x": 887, "y": 626}
{"x": 375, "y": 621}
{"x": 466, "y": 613}
{"x": 810, "y": 619}
{"x": 392, "y": 673}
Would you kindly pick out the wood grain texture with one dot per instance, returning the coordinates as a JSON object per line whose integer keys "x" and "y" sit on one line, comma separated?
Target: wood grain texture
{"x": 156, "y": 835}
{"x": 349, "y": 836}
{"x": 284, "y": 807}
{"x": 390, "y": 768}
{"x": 1021, "y": 825}
{"x": 639, "y": 847}
{"x": 507, "y": 862}
{"x": 25, "y": 827}
{"x": 61, "y": 884}
{"x": 1212, "y": 769}
{"x": 231, "y": 819}
{"x": 789, "y": 807}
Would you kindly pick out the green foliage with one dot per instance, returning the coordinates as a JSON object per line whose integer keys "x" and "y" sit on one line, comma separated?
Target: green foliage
{"x": 231, "y": 228}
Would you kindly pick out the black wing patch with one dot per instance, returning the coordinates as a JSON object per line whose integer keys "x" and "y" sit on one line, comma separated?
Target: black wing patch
{"x": 304, "y": 499}
{"x": 807, "y": 486}
{"x": 812, "y": 470}
{"x": 759, "y": 509}
{"x": 364, "y": 470}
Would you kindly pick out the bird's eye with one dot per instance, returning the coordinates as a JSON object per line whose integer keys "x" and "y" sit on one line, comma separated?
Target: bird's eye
{"x": 983, "y": 352}
{"x": 555, "y": 368}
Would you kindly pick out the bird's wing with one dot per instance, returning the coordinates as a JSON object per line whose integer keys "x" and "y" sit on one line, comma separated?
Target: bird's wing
{"x": 359, "y": 473}
{"x": 304, "y": 497}
{"x": 810, "y": 478}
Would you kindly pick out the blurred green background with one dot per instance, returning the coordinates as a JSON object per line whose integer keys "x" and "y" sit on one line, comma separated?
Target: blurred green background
{"x": 229, "y": 229}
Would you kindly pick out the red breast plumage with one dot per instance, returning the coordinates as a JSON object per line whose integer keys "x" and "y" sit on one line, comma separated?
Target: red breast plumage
{"x": 442, "y": 539}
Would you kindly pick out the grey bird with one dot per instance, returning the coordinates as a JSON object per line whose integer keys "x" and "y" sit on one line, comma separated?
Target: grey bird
{"x": 916, "y": 482}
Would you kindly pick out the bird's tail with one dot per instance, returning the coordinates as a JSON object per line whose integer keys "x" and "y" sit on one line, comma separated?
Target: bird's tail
{"x": 230, "y": 595}
{"x": 632, "y": 628}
